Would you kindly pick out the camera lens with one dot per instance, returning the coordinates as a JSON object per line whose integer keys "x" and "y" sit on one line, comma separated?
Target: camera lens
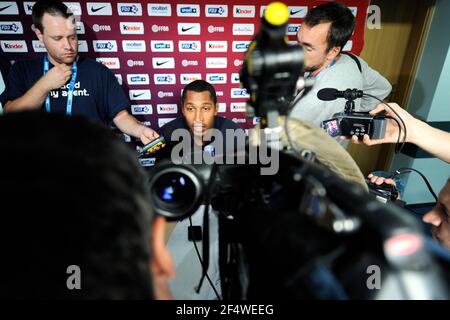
{"x": 176, "y": 191}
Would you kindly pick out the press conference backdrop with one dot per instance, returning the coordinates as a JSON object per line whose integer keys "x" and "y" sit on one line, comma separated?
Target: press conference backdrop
{"x": 156, "y": 48}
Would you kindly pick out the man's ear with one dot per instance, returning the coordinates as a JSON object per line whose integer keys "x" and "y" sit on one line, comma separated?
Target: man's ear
{"x": 216, "y": 109}
{"x": 333, "y": 53}
{"x": 39, "y": 34}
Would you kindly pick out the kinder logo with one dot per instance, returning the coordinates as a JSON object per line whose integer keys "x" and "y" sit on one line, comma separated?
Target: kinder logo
{"x": 133, "y": 46}
{"x": 216, "y": 78}
{"x": 238, "y": 62}
{"x": 162, "y": 94}
{"x": 163, "y": 63}
{"x": 238, "y": 107}
{"x": 105, "y": 45}
{"x": 235, "y": 78}
{"x": 189, "y": 46}
{"x": 156, "y": 28}
{"x": 82, "y": 46}
{"x": 100, "y": 28}
{"x": 163, "y": 121}
{"x": 188, "y": 10}
{"x": 13, "y": 27}
{"x": 188, "y": 78}
{"x": 129, "y": 9}
{"x": 216, "y": 46}
{"x": 219, "y": 11}
{"x": 216, "y": 63}
{"x": 14, "y": 46}
{"x": 164, "y": 79}
{"x": 159, "y": 9}
{"x": 222, "y": 107}
{"x": 167, "y": 108}
{"x": 240, "y": 29}
{"x": 239, "y": 93}
{"x": 292, "y": 29}
{"x": 111, "y": 63}
{"x": 135, "y": 79}
{"x": 214, "y": 29}
{"x": 188, "y": 63}
{"x": 75, "y": 7}
{"x": 28, "y": 7}
{"x": 80, "y": 27}
{"x": 9, "y": 8}
{"x": 119, "y": 78}
{"x": 189, "y": 28}
{"x": 161, "y": 46}
{"x": 297, "y": 12}
{"x": 38, "y": 46}
{"x": 240, "y": 46}
{"x": 135, "y": 63}
{"x": 131, "y": 28}
{"x": 244, "y": 11}
{"x": 140, "y": 95}
{"x": 99, "y": 8}
{"x": 141, "y": 109}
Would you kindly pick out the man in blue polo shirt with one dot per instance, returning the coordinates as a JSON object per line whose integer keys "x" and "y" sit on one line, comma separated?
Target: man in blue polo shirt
{"x": 64, "y": 82}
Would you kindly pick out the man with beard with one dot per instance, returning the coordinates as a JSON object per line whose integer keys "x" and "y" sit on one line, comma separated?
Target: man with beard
{"x": 323, "y": 35}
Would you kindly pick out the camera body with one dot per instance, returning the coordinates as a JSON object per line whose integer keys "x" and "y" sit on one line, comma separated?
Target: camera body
{"x": 356, "y": 123}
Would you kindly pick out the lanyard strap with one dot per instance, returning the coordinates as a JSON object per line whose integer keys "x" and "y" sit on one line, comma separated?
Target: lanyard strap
{"x": 71, "y": 87}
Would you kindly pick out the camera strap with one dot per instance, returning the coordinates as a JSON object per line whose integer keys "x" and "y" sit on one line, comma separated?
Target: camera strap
{"x": 354, "y": 58}
{"x": 205, "y": 245}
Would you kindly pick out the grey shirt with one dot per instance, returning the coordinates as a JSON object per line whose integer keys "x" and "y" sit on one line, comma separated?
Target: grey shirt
{"x": 342, "y": 75}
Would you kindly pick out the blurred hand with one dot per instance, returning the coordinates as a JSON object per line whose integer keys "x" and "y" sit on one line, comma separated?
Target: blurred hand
{"x": 57, "y": 76}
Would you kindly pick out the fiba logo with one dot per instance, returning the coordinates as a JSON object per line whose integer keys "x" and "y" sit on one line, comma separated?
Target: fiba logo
{"x": 135, "y": 63}
{"x": 213, "y": 29}
{"x": 238, "y": 62}
{"x": 156, "y": 28}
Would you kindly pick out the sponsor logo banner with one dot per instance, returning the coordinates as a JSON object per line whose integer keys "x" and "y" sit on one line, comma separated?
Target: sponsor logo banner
{"x": 38, "y": 46}
{"x": 188, "y": 10}
{"x": 163, "y": 63}
{"x": 235, "y": 78}
{"x": 163, "y": 121}
{"x": 27, "y": 7}
{"x": 75, "y": 7}
{"x": 243, "y": 29}
{"x": 216, "y": 63}
{"x": 292, "y": 29}
{"x": 140, "y": 95}
{"x": 141, "y": 109}
{"x": 240, "y": 46}
{"x": 99, "y": 8}
{"x": 11, "y": 27}
{"x": 119, "y": 78}
{"x": 9, "y": 8}
{"x": 167, "y": 108}
{"x": 132, "y": 28}
{"x": 244, "y": 11}
{"x": 187, "y": 63}
{"x": 111, "y": 63}
{"x": 129, "y": 9}
{"x": 189, "y": 46}
{"x": 157, "y": 28}
{"x": 101, "y": 28}
{"x": 138, "y": 79}
{"x": 222, "y": 107}
{"x": 297, "y": 11}
{"x": 216, "y": 10}
{"x": 188, "y": 78}
{"x": 82, "y": 46}
{"x": 105, "y": 45}
{"x": 159, "y": 9}
{"x": 189, "y": 28}
{"x": 14, "y": 46}
{"x": 214, "y": 29}
{"x": 135, "y": 63}
{"x": 237, "y": 107}
{"x": 239, "y": 93}
{"x": 164, "y": 79}
{"x": 216, "y": 46}
{"x": 216, "y": 78}
{"x": 133, "y": 45}
{"x": 161, "y": 45}
{"x": 80, "y": 27}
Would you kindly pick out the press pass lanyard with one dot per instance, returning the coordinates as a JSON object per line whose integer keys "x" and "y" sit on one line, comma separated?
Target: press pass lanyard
{"x": 71, "y": 87}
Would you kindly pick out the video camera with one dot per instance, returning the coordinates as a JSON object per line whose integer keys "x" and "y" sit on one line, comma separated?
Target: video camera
{"x": 304, "y": 232}
{"x": 349, "y": 122}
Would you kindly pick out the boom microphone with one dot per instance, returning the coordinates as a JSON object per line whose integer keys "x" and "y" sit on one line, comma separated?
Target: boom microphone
{"x": 329, "y": 94}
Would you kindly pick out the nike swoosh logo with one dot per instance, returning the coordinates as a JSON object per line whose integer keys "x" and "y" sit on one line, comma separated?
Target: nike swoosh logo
{"x": 138, "y": 95}
{"x": 161, "y": 63}
{"x": 186, "y": 29}
{"x": 97, "y": 9}
{"x": 236, "y": 79}
{"x": 295, "y": 12}
{"x": 4, "y": 8}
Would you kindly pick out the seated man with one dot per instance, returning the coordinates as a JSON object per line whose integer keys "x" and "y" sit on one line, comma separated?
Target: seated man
{"x": 200, "y": 128}
{"x": 76, "y": 214}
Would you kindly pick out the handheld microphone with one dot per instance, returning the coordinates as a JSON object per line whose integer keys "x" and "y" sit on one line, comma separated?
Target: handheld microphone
{"x": 151, "y": 146}
{"x": 329, "y": 94}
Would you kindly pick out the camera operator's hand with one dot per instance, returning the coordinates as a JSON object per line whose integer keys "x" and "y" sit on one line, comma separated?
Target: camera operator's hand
{"x": 380, "y": 180}
{"x": 432, "y": 140}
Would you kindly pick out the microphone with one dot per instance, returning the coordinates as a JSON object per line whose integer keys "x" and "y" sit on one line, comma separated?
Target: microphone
{"x": 329, "y": 94}
{"x": 149, "y": 147}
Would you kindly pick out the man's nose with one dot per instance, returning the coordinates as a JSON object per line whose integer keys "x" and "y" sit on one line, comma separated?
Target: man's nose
{"x": 433, "y": 217}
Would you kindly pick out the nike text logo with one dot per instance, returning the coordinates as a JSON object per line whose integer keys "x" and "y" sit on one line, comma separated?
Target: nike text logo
{"x": 138, "y": 95}
{"x": 186, "y": 29}
{"x": 4, "y": 8}
{"x": 161, "y": 63}
{"x": 97, "y": 9}
{"x": 295, "y": 12}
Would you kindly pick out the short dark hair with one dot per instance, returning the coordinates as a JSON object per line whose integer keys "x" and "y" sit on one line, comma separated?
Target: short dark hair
{"x": 52, "y": 7}
{"x": 199, "y": 86}
{"x": 341, "y": 18}
{"x": 72, "y": 193}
